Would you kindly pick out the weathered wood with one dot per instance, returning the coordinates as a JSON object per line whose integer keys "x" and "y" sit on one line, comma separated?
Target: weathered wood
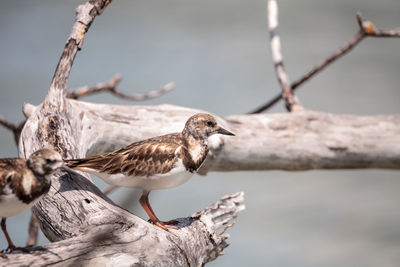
{"x": 301, "y": 141}
{"x": 131, "y": 241}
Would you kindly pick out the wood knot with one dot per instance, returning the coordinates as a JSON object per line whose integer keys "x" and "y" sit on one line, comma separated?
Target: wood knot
{"x": 337, "y": 148}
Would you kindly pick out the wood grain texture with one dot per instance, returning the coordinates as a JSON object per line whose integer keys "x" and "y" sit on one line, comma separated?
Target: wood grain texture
{"x": 301, "y": 141}
{"x": 127, "y": 243}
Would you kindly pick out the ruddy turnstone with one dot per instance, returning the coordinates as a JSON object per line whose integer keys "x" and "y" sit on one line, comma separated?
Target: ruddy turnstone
{"x": 24, "y": 182}
{"x": 156, "y": 163}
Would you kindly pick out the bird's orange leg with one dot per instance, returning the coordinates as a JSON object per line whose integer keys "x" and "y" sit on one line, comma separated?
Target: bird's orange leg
{"x": 11, "y": 246}
{"x": 144, "y": 201}
{"x": 3, "y": 227}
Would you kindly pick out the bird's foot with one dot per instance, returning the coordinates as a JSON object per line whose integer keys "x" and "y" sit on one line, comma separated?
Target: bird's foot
{"x": 165, "y": 225}
{"x": 171, "y": 222}
{"x": 13, "y": 248}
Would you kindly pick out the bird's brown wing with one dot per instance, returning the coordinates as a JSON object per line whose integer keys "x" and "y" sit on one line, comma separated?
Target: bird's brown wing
{"x": 144, "y": 158}
{"x": 11, "y": 171}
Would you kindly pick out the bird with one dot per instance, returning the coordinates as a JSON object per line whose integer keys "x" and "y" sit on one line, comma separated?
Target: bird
{"x": 23, "y": 183}
{"x": 157, "y": 163}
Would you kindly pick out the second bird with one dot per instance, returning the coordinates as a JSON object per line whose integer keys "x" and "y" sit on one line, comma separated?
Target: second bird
{"x": 156, "y": 163}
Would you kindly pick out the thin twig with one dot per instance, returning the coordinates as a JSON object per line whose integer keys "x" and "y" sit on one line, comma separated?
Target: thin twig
{"x": 7, "y": 124}
{"x": 33, "y": 231}
{"x": 367, "y": 28}
{"x": 111, "y": 86}
{"x": 292, "y": 103}
{"x": 16, "y": 128}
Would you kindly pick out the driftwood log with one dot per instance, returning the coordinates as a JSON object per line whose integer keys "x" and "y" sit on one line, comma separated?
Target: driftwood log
{"x": 302, "y": 140}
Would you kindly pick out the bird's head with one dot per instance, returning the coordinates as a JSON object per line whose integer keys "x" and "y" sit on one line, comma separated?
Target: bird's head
{"x": 202, "y": 125}
{"x": 44, "y": 161}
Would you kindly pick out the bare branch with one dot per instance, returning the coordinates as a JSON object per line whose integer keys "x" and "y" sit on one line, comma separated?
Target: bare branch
{"x": 111, "y": 86}
{"x": 100, "y": 87}
{"x": 292, "y": 103}
{"x": 337, "y": 54}
{"x": 367, "y": 28}
{"x": 152, "y": 94}
{"x": 16, "y": 128}
{"x": 7, "y": 124}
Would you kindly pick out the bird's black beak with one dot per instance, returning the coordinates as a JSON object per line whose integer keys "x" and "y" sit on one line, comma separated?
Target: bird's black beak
{"x": 221, "y": 130}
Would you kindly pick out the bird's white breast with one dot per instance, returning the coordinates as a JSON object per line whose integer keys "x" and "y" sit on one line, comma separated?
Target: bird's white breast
{"x": 10, "y": 205}
{"x": 176, "y": 176}
{"x": 197, "y": 153}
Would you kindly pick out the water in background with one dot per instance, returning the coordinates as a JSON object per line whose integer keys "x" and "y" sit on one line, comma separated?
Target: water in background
{"x": 218, "y": 54}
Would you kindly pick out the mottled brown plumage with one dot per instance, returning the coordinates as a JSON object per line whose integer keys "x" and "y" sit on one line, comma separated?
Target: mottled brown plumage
{"x": 24, "y": 182}
{"x": 13, "y": 172}
{"x": 156, "y": 163}
{"x": 145, "y": 158}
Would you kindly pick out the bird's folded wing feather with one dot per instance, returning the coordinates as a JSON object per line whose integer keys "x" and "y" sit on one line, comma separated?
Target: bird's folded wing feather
{"x": 11, "y": 169}
{"x": 146, "y": 158}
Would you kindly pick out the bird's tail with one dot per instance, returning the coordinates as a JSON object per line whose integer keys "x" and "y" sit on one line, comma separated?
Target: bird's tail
{"x": 79, "y": 163}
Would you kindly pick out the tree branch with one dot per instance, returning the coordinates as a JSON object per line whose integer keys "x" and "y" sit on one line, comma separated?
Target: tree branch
{"x": 85, "y": 14}
{"x": 111, "y": 86}
{"x": 367, "y": 28}
{"x": 292, "y": 103}
{"x": 16, "y": 128}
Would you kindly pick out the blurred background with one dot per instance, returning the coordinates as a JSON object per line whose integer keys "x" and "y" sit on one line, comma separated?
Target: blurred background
{"x": 217, "y": 52}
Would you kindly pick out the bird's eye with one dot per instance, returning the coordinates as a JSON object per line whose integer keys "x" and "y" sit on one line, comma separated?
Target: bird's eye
{"x": 210, "y": 123}
{"x": 50, "y": 161}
